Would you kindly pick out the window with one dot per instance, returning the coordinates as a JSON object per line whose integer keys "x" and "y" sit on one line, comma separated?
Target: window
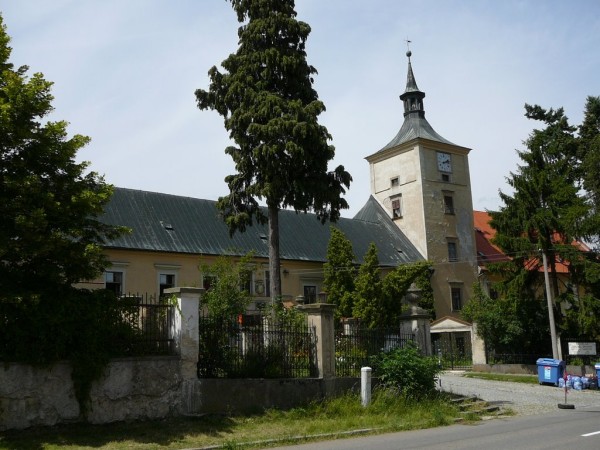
{"x": 113, "y": 281}
{"x": 310, "y": 294}
{"x": 246, "y": 281}
{"x": 446, "y": 178}
{"x": 397, "y": 207}
{"x": 452, "y": 251}
{"x": 165, "y": 281}
{"x": 456, "y": 299}
{"x": 448, "y": 203}
{"x": 208, "y": 281}
{"x": 395, "y": 182}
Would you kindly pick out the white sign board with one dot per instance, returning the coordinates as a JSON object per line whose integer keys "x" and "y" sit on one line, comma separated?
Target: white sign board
{"x": 582, "y": 348}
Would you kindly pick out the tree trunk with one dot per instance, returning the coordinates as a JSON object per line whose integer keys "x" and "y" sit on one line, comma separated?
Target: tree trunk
{"x": 274, "y": 262}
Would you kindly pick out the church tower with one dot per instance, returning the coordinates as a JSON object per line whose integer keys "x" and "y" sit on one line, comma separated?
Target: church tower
{"x": 422, "y": 180}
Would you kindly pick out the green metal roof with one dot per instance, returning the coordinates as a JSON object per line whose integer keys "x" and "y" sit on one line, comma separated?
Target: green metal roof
{"x": 170, "y": 223}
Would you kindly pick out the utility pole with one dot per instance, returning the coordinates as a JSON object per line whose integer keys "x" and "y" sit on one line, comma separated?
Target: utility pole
{"x": 550, "y": 307}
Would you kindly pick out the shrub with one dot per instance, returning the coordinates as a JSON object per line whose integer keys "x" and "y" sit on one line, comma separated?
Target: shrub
{"x": 405, "y": 369}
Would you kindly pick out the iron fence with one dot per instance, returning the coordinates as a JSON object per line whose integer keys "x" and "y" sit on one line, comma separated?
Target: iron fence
{"x": 255, "y": 346}
{"x": 354, "y": 348}
{"x": 513, "y": 358}
{"x": 150, "y": 329}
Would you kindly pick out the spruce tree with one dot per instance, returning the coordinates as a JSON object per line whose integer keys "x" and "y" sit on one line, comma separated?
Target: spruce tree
{"x": 339, "y": 273}
{"x": 589, "y": 153}
{"x": 543, "y": 215}
{"x": 271, "y": 110}
{"x": 368, "y": 305}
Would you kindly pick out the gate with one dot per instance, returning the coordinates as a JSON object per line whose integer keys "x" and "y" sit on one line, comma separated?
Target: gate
{"x": 453, "y": 350}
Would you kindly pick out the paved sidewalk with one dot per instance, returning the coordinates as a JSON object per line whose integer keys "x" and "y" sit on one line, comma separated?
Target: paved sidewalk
{"x": 524, "y": 399}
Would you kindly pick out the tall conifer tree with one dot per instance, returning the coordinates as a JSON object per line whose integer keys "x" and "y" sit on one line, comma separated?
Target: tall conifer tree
{"x": 270, "y": 110}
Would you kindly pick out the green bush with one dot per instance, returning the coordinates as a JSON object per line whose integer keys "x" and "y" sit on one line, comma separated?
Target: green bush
{"x": 406, "y": 370}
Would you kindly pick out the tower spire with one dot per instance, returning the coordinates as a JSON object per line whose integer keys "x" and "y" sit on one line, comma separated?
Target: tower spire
{"x": 412, "y": 96}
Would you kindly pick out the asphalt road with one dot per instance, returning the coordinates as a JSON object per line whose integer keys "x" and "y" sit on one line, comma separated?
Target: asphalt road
{"x": 539, "y": 423}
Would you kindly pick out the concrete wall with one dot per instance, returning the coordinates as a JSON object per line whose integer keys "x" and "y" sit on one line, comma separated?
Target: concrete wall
{"x": 140, "y": 388}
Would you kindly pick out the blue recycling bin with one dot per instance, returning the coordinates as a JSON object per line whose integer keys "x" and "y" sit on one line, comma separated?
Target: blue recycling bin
{"x": 550, "y": 370}
{"x": 597, "y": 367}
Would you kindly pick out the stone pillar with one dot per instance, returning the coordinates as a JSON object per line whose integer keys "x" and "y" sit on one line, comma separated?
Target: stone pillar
{"x": 320, "y": 316}
{"x": 477, "y": 347}
{"x": 185, "y": 328}
{"x": 416, "y": 321}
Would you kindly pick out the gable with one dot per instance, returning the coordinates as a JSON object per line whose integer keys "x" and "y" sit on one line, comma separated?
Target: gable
{"x": 450, "y": 324}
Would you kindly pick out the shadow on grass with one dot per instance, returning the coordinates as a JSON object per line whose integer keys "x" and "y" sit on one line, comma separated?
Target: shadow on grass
{"x": 152, "y": 433}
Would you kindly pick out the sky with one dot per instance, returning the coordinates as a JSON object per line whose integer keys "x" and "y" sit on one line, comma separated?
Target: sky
{"x": 125, "y": 73}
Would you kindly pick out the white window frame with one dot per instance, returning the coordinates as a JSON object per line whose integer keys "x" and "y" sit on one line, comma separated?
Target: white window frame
{"x": 166, "y": 269}
{"x": 117, "y": 267}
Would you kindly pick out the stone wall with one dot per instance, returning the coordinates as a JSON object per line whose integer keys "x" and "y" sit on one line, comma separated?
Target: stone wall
{"x": 219, "y": 396}
{"x": 133, "y": 388}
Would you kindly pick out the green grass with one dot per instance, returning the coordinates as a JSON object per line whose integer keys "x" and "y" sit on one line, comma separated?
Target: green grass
{"x": 529, "y": 379}
{"x": 334, "y": 418}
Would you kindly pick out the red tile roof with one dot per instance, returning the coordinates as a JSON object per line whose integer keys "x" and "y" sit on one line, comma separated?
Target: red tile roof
{"x": 489, "y": 253}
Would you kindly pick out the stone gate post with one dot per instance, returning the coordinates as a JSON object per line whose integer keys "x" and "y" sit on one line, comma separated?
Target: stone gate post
{"x": 320, "y": 316}
{"x": 185, "y": 328}
{"x": 416, "y": 321}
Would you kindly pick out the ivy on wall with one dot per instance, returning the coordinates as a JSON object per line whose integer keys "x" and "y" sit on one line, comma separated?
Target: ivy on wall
{"x": 87, "y": 328}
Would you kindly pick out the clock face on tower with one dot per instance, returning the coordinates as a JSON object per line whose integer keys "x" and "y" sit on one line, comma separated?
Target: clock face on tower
{"x": 444, "y": 162}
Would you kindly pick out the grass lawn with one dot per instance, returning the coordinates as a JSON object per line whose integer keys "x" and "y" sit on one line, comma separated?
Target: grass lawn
{"x": 335, "y": 418}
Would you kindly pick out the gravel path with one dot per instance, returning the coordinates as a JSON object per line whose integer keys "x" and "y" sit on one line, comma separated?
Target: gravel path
{"x": 524, "y": 399}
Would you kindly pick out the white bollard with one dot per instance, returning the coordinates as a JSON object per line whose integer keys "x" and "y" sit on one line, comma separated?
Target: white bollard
{"x": 365, "y": 385}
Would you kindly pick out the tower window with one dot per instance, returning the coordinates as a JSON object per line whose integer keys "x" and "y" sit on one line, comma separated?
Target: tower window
{"x": 448, "y": 203}
{"x": 395, "y": 182}
{"x": 456, "y": 293}
{"x": 397, "y": 207}
{"x": 452, "y": 251}
{"x": 446, "y": 177}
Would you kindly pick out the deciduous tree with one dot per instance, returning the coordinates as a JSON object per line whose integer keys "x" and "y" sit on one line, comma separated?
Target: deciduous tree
{"x": 271, "y": 110}
{"x": 50, "y": 236}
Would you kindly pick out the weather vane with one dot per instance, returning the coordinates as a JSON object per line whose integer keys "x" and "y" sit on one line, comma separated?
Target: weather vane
{"x": 408, "y": 52}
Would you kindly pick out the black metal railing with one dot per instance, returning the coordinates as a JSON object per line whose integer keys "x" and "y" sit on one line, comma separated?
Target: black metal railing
{"x": 150, "y": 330}
{"x": 255, "y": 347}
{"x": 513, "y": 358}
{"x": 355, "y": 348}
